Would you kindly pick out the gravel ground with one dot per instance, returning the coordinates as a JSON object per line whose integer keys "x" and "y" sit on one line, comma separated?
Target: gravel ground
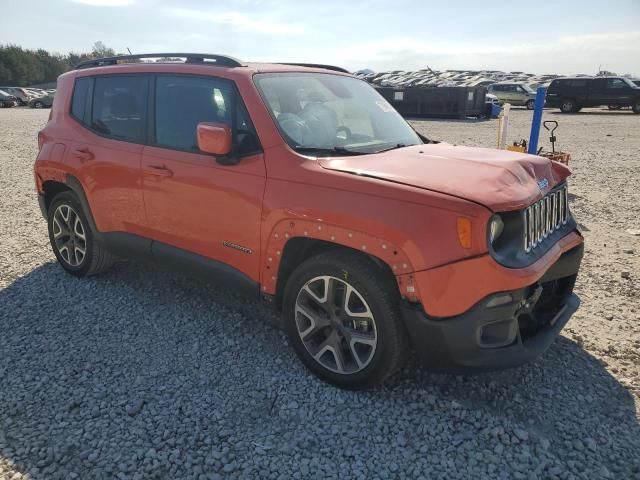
{"x": 142, "y": 374}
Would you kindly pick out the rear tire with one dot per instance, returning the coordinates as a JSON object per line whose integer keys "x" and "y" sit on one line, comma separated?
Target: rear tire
{"x": 38, "y": 105}
{"x": 72, "y": 240}
{"x": 568, "y": 105}
{"x": 342, "y": 317}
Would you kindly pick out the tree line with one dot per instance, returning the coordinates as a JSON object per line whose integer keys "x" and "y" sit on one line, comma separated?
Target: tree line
{"x": 21, "y": 67}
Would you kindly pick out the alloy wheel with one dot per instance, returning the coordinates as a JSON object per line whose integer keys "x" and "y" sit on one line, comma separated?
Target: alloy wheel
{"x": 69, "y": 235}
{"x": 336, "y": 325}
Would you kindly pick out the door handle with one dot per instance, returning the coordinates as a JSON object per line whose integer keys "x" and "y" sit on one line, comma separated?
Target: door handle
{"x": 159, "y": 170}
{"x": 83, "y": 154}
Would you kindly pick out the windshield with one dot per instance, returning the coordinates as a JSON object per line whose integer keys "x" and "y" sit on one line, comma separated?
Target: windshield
{"x": 528, "y": 88}
{"x": 333, "y": 113}
{"x": 630, "y": 82}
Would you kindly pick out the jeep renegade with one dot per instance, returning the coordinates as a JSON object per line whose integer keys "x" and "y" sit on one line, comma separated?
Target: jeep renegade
{"x": 301, "y": 185}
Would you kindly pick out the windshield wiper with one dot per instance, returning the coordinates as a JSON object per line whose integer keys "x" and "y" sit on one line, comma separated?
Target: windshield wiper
{"x": 332, "y": 150}
{"x": 396, "y": 146}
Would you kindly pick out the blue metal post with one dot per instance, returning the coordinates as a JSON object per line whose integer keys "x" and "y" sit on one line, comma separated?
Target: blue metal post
{"x": 537, "y": 120}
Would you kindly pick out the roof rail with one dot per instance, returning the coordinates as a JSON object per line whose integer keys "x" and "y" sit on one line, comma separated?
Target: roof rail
{"x": 215, "y": 60}
{"x": 317, "y": 65}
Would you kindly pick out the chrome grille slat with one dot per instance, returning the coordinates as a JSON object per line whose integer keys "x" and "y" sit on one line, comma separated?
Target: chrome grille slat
{"x": 545, "y": 217}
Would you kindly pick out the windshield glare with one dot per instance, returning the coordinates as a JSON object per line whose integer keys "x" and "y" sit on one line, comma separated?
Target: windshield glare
{"x": 333, "y": 112}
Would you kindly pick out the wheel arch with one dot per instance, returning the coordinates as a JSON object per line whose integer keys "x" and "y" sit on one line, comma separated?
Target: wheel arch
{"x": 294, "y": 241}
{"x": 51, "y": 188}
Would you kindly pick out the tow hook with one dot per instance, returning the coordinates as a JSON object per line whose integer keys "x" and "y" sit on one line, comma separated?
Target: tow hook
{"x": 527, "y": 304}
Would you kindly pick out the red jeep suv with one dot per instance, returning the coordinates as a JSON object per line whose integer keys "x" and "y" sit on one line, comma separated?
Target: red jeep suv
{"x": 301, "y": 185}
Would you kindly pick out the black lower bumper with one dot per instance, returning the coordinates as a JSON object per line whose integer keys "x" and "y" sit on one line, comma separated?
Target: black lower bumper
{"x": 504, "y": 329}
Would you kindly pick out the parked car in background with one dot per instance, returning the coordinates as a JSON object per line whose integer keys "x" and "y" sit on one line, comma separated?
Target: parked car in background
{"x": 20, "y": 93}
{"x": 571, "y": 94}
{"x": 42, "y": 102}
{"x": 301, "y": 185}
{"x": 6, "y": 100}
{"x": 515, "y": 93}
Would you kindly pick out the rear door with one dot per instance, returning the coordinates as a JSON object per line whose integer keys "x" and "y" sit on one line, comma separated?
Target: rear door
{"x": 511, "y": 94}
{"x": 111, "y": 111}
{"x": 597, "y": 92}
{"x": 499, "y": 91}
{"x": 193, "y": 202}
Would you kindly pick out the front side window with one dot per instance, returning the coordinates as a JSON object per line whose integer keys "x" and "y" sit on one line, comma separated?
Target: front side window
{"x": 120, "y": 107}
{"x": 182, "y": 102}
{"x": 333, "y": 113}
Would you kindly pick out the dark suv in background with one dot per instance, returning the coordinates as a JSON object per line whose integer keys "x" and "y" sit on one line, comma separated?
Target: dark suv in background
{"x": 573, "y": 94}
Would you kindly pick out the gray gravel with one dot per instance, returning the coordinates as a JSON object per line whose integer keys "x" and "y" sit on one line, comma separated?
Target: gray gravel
{"x": 142, "y": 374}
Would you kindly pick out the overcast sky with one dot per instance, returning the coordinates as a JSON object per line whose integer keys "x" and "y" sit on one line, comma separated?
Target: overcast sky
{"x": 572, "y": 36}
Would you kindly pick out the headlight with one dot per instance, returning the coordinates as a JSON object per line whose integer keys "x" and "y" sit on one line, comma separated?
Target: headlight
{"x": 496, "y": 226}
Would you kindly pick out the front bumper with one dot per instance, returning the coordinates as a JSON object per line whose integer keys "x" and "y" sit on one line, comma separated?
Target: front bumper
{"x": 504, "y": 329}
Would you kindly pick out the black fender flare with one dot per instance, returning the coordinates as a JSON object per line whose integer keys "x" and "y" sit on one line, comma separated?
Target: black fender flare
{"x": 76, "y": 187}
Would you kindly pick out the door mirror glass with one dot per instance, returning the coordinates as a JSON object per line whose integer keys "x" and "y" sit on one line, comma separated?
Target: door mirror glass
{"x": 214, "y": 138}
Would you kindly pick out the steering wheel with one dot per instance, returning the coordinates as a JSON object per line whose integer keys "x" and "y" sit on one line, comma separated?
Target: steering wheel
{"x": 342, "y": 139}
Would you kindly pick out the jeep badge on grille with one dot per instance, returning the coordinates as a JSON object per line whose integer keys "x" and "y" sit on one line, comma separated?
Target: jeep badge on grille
{"x": 543, "y": 183}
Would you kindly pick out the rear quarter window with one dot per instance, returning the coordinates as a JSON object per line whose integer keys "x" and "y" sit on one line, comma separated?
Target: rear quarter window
{"x": 79, "y": 99}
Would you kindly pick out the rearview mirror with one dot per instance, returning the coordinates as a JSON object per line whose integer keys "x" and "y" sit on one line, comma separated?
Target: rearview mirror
{"x": 214, "y": 138}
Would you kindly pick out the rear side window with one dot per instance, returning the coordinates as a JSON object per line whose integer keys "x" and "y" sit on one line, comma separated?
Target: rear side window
{"x": 184, "y": 101}
{"x": 577, "y": 83}
{"x": 616, "y": 83}
{"x": 80, "y": 96}
{"x": 119, "y": 108}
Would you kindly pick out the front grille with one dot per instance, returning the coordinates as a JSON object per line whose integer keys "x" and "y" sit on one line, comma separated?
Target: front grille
{"x": 545, "y": 217}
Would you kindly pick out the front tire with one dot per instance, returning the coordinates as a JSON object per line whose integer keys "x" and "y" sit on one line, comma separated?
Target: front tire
{"x": 530, "y": 104}
{"x": 72, "y": 240}
{"x": 38, "y": 105}
{"x": 636, "y": 107}
{"x": 342, "y": 317}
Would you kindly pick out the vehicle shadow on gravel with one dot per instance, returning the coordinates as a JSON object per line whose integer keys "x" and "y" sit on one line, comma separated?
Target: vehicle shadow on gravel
{"x": 142, "y": 374}
{"x": 606, "y": 113}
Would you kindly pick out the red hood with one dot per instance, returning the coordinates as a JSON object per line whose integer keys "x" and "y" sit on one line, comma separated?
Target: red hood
{"x": 499, "y": 179}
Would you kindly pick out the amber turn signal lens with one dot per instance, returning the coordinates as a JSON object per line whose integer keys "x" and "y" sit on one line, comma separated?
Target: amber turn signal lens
{"x": 464, "y": 232}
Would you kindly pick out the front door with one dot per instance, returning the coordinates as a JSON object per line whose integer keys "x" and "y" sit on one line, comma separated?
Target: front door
{"x": 193, "y": 202}
{"x": 618, "y": 92}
